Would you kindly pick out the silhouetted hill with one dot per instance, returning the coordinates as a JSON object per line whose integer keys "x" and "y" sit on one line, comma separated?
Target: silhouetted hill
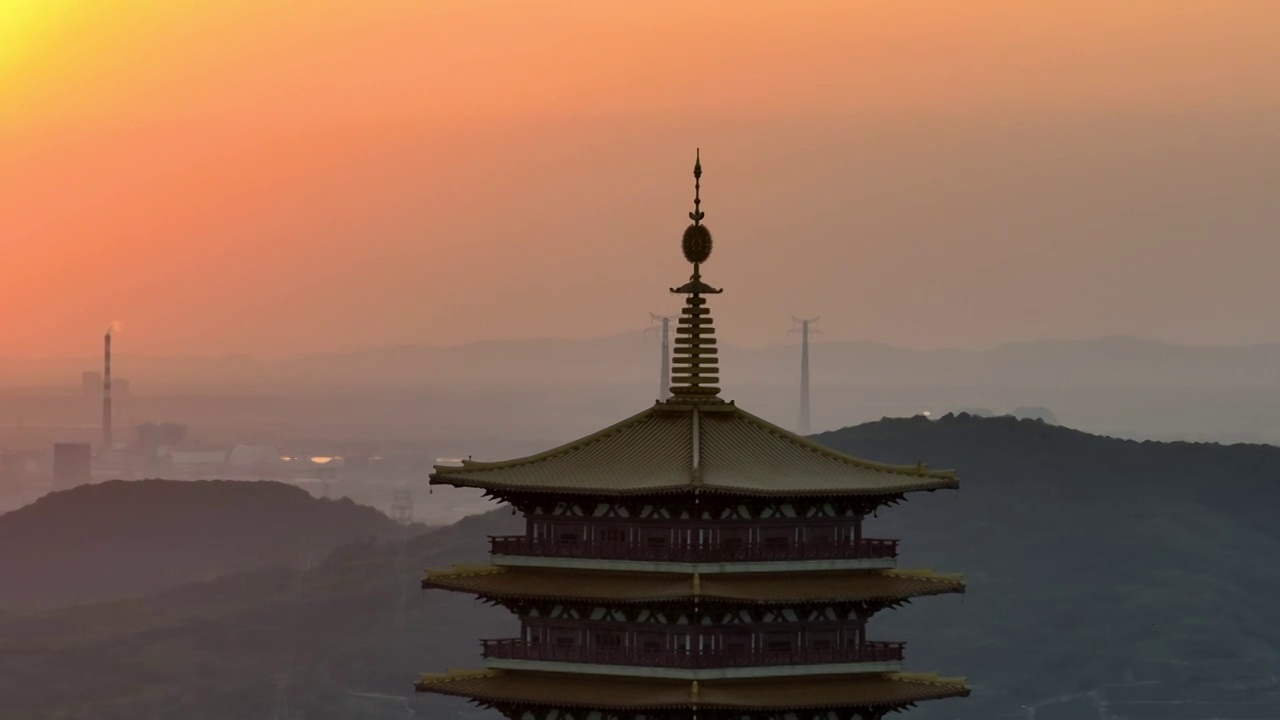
{"x": 123, "y": 538}
{"x": 1090, "y": 560}
{"x": 355, "y": 622}
{"x": 1093, "y": 564}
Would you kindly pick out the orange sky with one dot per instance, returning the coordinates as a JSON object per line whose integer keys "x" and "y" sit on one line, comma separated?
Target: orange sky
{"x": 291, "y": 176}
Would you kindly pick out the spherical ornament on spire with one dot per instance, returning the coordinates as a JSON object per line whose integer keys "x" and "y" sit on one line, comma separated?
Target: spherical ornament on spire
{"x": 697, "y": 243}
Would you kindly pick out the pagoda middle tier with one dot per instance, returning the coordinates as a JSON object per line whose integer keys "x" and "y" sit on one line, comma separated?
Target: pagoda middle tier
{"x": 693, "y": 626}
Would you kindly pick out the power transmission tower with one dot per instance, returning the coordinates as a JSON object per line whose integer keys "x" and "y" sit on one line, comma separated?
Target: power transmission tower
{"x": 805, "y": 328}
{"x": 664, "y": 372}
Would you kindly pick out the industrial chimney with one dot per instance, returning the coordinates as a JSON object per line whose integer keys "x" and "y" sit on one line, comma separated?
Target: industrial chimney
{"x": 107, "y": 443}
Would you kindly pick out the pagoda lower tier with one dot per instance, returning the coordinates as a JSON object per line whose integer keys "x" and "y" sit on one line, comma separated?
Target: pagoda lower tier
{"x": 797, "y": 636}
{"x": 564, "y": 696}
{"x": 666, "y": 625}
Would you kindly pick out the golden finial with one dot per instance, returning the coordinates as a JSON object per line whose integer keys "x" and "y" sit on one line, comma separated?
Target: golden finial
{"x": 694, "y": 369}
{"x": 697, "y": 238}
{"x": 697, "y": 215}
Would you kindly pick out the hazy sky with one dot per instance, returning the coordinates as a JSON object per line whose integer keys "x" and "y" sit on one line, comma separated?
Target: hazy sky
{"x": 289, "y": 176}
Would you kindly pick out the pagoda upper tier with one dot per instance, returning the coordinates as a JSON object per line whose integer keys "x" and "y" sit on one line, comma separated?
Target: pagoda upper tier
{"x": 675, "y": 447}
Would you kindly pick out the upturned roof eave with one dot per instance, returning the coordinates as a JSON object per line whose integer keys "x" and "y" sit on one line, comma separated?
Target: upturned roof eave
{"x": 507, "y": 686}
{"x": 689, "y": 487}
{"x": 470, "y": 473}
{"x": 456, "y": 581}
{"x": 687, "y": 597}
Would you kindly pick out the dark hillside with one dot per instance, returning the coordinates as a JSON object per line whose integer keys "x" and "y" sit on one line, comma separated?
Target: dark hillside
{"x": 1091, "y": 561}
{"x": 124, "y": 538}
{"x": 354, "y": 623}
{"x": 1135, "y": 579}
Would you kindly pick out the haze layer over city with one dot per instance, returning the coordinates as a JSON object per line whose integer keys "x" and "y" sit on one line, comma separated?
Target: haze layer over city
{"x": 333, "y": 245}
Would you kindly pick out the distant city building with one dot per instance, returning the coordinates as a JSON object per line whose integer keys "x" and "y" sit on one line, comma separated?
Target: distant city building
{"x": 246, "y": 456}
{"x": 72, "y": 465}
{"x": 91, "y": 384}
{"x": 153, "y": 436}
{"x": 355, "y": 462}
{"x": 17, "y": 465}
{"x": 205, "y": 463}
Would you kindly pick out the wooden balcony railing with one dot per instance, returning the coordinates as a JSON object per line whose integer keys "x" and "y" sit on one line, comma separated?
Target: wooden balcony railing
{"x": 691, "y": 553}
{"x": 690, "y": 659}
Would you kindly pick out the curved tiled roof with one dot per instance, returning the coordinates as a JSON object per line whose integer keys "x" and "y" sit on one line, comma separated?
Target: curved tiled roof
{"x": 888, "y": 690}
{"x": 621, "y": 587}
{"x": 710, "y": 447}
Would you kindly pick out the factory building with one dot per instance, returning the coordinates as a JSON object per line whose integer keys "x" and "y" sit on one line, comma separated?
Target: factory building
{"x": 72, "y": 465}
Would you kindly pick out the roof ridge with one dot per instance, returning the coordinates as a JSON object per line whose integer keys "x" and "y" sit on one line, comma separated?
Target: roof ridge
{"x": 726, "y": 451}
{"x": 584, "y": 441}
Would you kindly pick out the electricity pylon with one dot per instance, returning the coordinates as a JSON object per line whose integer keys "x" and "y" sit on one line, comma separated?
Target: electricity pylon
{"x": 805, "y": 328}
{"x": 664, "y": 372}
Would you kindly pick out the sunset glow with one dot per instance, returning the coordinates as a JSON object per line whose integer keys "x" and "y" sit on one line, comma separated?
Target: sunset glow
{"x": 286, "y": 177}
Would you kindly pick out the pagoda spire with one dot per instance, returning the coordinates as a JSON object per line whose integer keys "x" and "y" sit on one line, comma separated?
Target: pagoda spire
{"x": 696, "y": 371}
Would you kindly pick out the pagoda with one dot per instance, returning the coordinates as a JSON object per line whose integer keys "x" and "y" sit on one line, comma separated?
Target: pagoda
{"x": 693, "y": 561}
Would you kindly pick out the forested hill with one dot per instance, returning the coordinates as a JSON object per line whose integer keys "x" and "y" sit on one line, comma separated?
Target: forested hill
{"x": 1091, "y": 562}
{"x": 1139, "y": 577}
{"x": 122, "y": 538}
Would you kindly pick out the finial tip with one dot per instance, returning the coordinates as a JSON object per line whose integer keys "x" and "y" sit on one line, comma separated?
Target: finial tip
{"x": 697, "y": 239}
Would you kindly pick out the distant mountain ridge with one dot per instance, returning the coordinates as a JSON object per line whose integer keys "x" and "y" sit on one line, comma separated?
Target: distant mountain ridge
{"x": 632, "y": 358}
{"x": 126, "y": 538}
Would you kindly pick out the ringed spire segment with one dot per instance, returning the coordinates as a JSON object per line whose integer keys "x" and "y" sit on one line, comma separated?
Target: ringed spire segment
{"x": 695, "y": 371}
